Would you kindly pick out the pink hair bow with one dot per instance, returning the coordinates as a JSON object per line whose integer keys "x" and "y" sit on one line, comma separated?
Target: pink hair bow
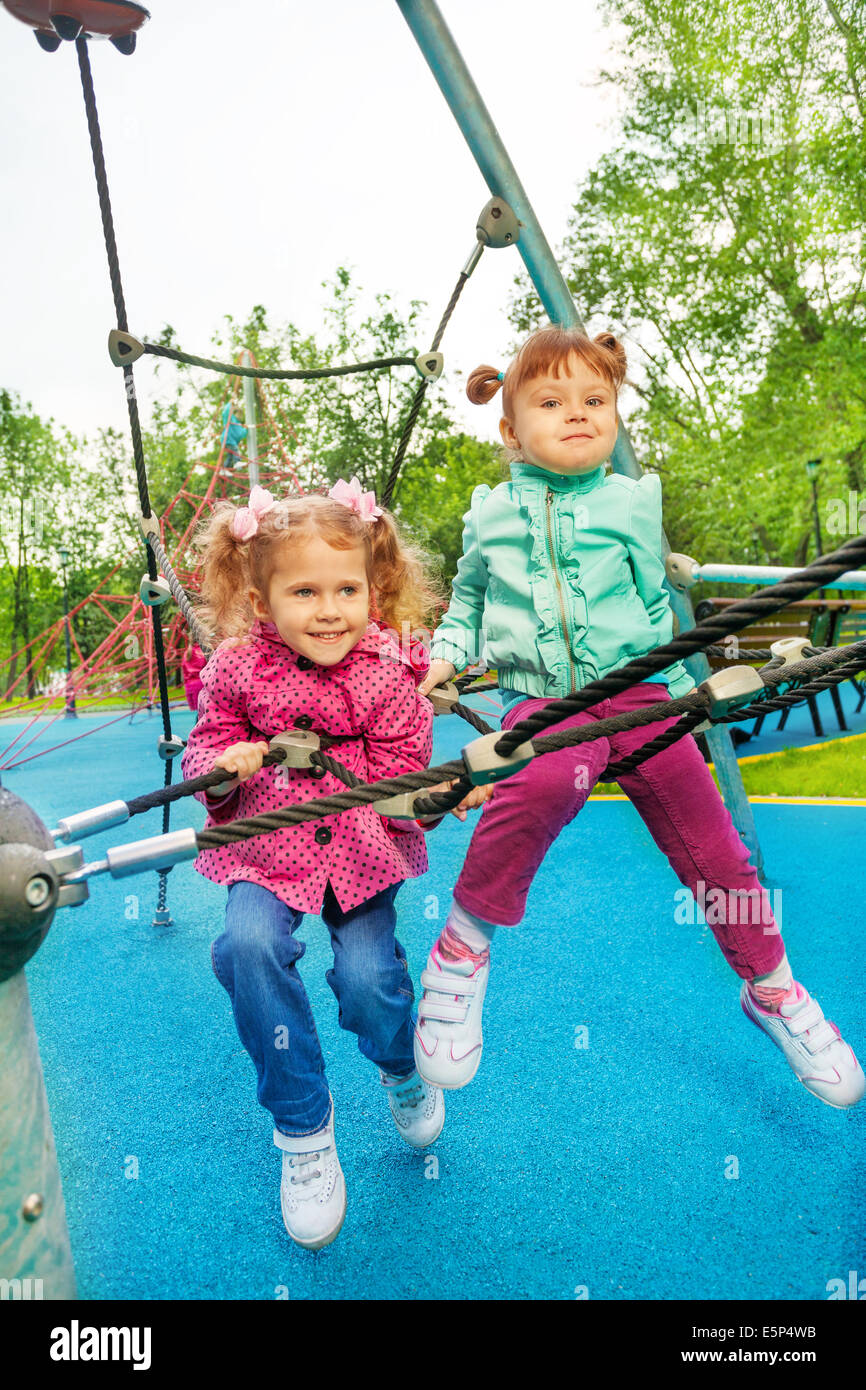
{"x": 245, "y": 522}
{"x": 351, "y": 496}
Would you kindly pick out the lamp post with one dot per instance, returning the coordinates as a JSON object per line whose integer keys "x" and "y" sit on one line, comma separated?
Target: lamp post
{"x": 70, "y": 711}
{"x": 812, "y": 467}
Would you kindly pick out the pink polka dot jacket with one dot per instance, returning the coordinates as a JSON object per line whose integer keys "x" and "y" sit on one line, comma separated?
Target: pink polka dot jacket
{"x": 260, "y": 687}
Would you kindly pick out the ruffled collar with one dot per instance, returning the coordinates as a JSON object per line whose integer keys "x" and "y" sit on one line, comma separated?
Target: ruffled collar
{"x": 559, "y": 482}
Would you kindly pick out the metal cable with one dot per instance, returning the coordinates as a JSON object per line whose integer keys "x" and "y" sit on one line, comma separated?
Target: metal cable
{"x": 276, "y": 374}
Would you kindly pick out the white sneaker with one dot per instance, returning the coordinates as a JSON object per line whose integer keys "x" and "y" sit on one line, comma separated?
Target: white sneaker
{"x": 418, "y": 1109}
{"x": 448, "y": 1038}
{"x": 312, "y": 1189}
{"x": 815, "y": 1049}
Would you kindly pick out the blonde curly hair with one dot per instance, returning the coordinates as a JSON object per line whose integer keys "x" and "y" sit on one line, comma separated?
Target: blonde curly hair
{"x": 403, "y": 588}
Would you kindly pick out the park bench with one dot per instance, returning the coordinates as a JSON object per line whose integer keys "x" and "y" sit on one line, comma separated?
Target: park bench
{"x": 823, "y": 622}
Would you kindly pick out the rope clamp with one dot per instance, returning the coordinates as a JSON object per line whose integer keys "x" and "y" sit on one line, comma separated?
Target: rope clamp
{"x": 123, "y": 349}
{"x": 726, "y": 690}
{"x": 169, "y": 748}
{"x": 444, "y": 697}
{"x": 429, "y": 365}
{"x": 681, "y": 570}
{"x": 402, "y": 807}
{"x": 296, "y": 745}
{"x": 154, "y": 592}
{"x": 148, "y": 526}
{"x": 483, "y": 764}
{"x": 790, "y": 650}
{"x": 497, "y": 225}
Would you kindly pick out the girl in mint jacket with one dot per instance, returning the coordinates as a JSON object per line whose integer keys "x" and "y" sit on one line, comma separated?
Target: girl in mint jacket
{"x": 561, "y": 581}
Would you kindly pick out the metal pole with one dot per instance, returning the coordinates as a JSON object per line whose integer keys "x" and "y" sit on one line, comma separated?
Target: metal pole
{"x": 457, "y": 86}
{"x": 250, "y": 419}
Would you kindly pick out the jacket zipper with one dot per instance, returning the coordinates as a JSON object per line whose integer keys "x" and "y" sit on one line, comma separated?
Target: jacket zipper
{"x": 565, "y": 630}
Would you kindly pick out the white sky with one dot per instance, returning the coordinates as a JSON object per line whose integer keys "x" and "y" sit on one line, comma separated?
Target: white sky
{"x": 251, "y": 149}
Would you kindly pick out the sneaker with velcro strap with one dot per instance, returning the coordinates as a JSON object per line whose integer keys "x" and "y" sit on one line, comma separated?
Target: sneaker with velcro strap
{"x": 813, "y": 1046}
{"x": 448, "y": 1038}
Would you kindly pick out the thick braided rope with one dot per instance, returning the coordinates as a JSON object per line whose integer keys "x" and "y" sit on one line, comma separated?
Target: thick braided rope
{"x": 274, "y": 373}
{"x": 738, "y": 616}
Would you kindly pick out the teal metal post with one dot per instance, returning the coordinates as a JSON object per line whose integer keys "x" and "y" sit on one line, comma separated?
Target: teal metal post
{"x": 250, "y": 420}
{"x": 457, "y": 86}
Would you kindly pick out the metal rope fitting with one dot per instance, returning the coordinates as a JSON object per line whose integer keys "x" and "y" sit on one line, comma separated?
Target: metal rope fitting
{"x": 169, "y": 748}
{"x": 148, "y": 526}
{"x": 296, "y": 745}
{"x": 154, "y": 592}
{"x": 681, "y": 571}
{"x": 497, "y": 224}
{"x": 790, "y": 650}
{"x": 483, "y": 764}
{"x": 90, "y": 822}
{"x": 725, "y": 690}
{"x": 444, "y": 697}
{"x": 402, "y": 807}
{"x": 159, "y": 852}
{"x": 429, "y": 365}
{"x": 123, "y": 349}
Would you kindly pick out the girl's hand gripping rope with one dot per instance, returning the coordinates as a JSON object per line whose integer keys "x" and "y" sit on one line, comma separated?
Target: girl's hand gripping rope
{"x": 242, "y": 759}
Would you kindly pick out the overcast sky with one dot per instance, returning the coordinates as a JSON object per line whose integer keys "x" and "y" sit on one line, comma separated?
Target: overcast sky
{"x": 254, "y": 147}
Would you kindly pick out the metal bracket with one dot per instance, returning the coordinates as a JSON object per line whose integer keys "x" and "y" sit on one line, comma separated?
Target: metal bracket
{"x": 444, "y": 697}
{"x": 680, "y": 570}
{"x": 123, "y": 349}
{"x": 483, "y": 764}
{"x": 497, "y": 225}
{"x": 154, "y": 592}
{"x": 296, "y": 745}
{"x": 725, "y": 690}
{"x": 170, "y": 747}
{"x": 430, "y": 364}
{"x": 149, "y": 526}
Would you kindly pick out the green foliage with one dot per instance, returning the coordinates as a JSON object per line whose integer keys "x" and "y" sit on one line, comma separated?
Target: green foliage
{"x": 722, "y": 236}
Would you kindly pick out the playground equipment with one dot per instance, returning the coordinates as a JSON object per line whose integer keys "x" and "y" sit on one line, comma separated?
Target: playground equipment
{"x": 44, "y": 872}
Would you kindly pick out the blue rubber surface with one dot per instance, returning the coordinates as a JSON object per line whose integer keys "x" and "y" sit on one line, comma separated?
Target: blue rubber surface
{"x": 559, "y": 1166}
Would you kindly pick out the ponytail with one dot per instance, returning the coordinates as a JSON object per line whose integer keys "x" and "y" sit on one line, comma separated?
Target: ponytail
{"x": 482, "y": 384}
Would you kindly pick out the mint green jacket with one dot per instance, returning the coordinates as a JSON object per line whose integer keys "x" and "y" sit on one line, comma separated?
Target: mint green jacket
{"x": 560, "y": 582}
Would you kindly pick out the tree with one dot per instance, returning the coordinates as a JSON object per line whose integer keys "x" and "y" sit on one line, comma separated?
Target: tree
{"x": 722, "y": 236}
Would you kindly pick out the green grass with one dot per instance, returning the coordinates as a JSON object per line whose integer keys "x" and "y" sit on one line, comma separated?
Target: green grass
{"x": 833, "y": 769}
{"x": 109, "y": 703}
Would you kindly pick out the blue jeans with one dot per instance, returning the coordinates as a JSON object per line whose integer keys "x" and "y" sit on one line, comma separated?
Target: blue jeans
{"x": 255, "y": 959}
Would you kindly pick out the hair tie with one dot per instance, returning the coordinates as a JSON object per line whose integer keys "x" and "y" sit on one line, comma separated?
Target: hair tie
{"x": 245, "y": 522}
{"x": 351, "y": 496}
{"x": 500, "y": 376}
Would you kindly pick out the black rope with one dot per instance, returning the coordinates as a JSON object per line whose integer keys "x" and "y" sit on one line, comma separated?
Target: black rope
{"x": 129, "y": 386}
{"x": 739, "y": 615}
{"x": 276, "y": 374}
{"x": 418, "y": 398}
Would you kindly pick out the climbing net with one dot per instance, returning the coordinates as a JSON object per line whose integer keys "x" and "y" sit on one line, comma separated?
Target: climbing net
{"x": 46, "y": 879}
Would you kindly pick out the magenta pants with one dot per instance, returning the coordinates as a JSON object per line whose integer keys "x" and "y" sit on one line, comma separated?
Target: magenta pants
{"x": 678, "y": 801}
